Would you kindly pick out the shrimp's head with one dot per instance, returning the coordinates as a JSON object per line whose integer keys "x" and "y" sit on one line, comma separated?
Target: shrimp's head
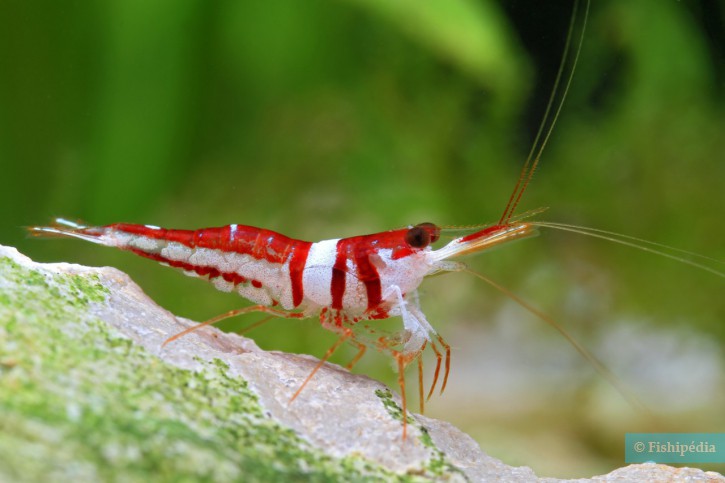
{"x": 396, "y": 258}
{"x": 383, "y": 267}
{"x": 404, "y": 257}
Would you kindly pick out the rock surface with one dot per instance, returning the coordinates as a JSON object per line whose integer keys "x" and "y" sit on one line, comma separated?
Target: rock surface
{"x": 88, "y": 393}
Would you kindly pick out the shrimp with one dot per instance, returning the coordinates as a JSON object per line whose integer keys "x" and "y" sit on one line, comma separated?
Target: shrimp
{"x": 341, "y": 281}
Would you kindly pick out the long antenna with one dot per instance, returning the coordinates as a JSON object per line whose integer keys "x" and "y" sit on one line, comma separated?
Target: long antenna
{"x": 532, "y": 160}
{"x": 598, "y": 366}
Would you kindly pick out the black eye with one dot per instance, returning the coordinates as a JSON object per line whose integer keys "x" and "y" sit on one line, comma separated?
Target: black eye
{"x": 433, "y": 231}
{"x": 422, "y": 235}
{"x": 417, "y": 237}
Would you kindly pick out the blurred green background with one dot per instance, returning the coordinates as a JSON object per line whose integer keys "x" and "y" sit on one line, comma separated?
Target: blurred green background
{"x": 331, "y": 118}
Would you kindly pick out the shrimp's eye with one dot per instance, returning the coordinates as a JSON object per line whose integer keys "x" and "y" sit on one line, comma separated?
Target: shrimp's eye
{"x": 422, "y": 235}
{"x": 432, "y": 229}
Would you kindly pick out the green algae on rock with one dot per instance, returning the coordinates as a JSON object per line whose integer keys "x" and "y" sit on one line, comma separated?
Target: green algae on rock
{"x": 81, "y": 400}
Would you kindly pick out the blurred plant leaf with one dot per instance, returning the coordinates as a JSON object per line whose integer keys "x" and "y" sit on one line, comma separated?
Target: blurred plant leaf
{"x": 146, "y": 64}
{"x": 472, "y": 36}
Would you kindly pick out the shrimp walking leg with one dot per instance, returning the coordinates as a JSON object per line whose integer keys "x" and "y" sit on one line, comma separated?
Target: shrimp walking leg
{"x": 234, "y": 313}
{"x": 448, "y": 361}
{"x": 421, "y": 389}
{"x": 403, "y": 359}
{"x": 418, "y": 315}
{"x": 361, "y": 351}
{"x": 255, "y": 325}
{"x": 346, "y": 334}
{"x": 437, "y": 371}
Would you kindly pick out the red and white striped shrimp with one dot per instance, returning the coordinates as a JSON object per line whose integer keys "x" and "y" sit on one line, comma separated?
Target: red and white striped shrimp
{"x": 342, "y": 281}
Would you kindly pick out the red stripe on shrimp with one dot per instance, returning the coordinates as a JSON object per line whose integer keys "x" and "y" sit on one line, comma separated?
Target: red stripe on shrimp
{"x": 482, "y": 233}
{"x": 297, "y": 261}
{"x": 367, "y": 272}
{"x": 257, "y": 242}
{"x": 202, "y": 271}
{"x": 339, "y": 271}
{"x": 359, "y": 250}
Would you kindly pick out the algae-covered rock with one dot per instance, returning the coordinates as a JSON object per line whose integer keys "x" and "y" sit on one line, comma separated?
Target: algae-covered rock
{"x": 88, "y": 393}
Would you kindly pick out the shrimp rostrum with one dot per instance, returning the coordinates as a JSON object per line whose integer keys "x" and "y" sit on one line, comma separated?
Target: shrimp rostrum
{"x": 342, "y": 281}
